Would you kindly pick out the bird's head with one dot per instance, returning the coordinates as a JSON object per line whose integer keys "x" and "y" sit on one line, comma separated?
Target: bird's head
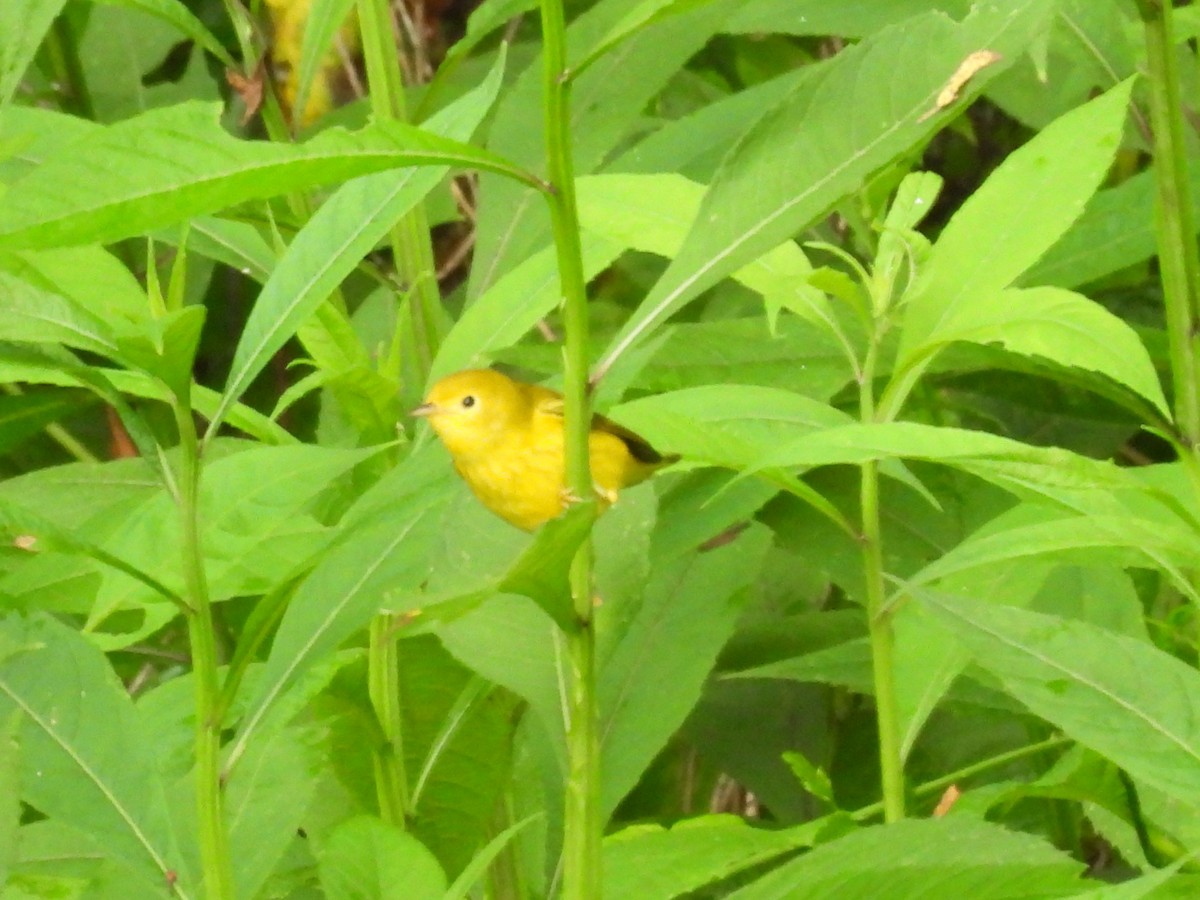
{"x": 469, "y": 410}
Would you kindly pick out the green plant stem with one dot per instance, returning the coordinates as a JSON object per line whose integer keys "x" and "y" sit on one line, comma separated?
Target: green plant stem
{"x": 939, "y": 785}
{"x": 891, "y": 761}
{"x": 1179, "y": 258}
{"x": 583, "y": 823}
{"x": 879, "y": 616}
{"x": 391, "y": 778}
{"x": 214, "y": 841}
{"x": 411, "y": 247}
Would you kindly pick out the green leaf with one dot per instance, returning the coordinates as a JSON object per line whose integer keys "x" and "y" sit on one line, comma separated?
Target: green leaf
{"x": 256, "y": 512}
{"x": 850, "y": 18}
{"x": 847, "y": 664}
{"x": 654, "y": 212}
{"x": 90, "y": 277}
{"x": 24, "y": 415}
{"x": 1089, "y": 48}
{"x": 1115, "y": 230}
{"x": 484, "y": 19}
{"x": 727, "y": 424}
{"x": 239, "y": 245}
{"x": 801, "y": 357}
{"x": 46, "y": 365}
{"x": 482, "y": 861}
{"x": 511, "y": 224}
{"x": 335, "y": 240}
{"x": 655, "y": 863}
{"x": 645, "y": 14}
{"x": 687, "y": 612}
{"x": 256, "y": 527}
{"x": 1060, "y": 326}
{"x": 1066, "y": 478}
{"x": 85, "y": 759}
{"x": 176, "y": 14}
{"x": 321, "y": 27}
{"x": 541, "y": 571}
{"x": 54, "y": 365}
{"x": 693, "y": 145}
{"x": 168, "y": 164}
{"x": 30, "y": 313}
{"x": 706, "y": 508}
{"x": 20, "y": 524}
{"x": 51, "y": 850}
{"x": 205, "y": 401}
{"x": 1146, "y": 886}
{"x": 913, "y": 202}
{"x": 512, "y": 306}
{"x": 23, "y": 26}
{"x": 10, "y": 791}
{"x": 730, "y": 426}
{"x": 132, "y": 60}
{"x": 31, "y": 134}
{"x": 1154, "y": 542}
{"x": 1018, "y": 213}
{"x": 458, "y": 743}
{"x": 265, "y": 802}
{"x": 1124, "y": 698}
{"x": 814, "y": 779}
{"x": 617, "y": 212}
{"x": 366, "y": 859}
{"x": 75, "y": 493}
{"x": 806, "y": 153}
{"x": 164, "y": 348}
{"x": 949, "y": 857}
{"x": 381, "y": 549}
{"x": 511, "y": 641}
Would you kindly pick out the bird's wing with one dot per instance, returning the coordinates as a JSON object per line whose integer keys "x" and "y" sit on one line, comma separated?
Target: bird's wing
{"x": 550, "y": 403}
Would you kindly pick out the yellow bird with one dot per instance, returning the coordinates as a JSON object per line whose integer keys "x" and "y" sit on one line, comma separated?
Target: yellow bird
{"x": 506, "y": 440}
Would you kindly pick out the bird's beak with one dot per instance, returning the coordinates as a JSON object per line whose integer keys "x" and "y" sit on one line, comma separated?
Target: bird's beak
{"x": 425, "y": 409}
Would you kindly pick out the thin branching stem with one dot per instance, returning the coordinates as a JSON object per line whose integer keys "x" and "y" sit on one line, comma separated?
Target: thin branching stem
{"x": 410, "y": 243}
{"x": 391, "y": 776}
{"x": 938, "y": 786}
{"x": 879, "y": 618}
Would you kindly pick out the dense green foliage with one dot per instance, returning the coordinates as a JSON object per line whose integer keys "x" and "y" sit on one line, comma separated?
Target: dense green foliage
{"x": 911, "y": 286}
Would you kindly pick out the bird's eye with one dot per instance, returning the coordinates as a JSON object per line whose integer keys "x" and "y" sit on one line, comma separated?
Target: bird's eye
{"x": 468, "y": 401}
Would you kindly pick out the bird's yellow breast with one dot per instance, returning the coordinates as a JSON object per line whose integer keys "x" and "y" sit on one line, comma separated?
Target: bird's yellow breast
{"x": 521, "y": 478}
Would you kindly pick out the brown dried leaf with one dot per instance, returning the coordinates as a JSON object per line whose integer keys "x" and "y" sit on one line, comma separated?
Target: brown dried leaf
{"x": 949, "y": 798}
{"x": 967, "y": 69}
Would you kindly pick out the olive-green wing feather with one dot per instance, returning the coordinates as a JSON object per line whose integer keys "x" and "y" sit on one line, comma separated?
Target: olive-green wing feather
{"x": 639, "y": 448}
{"x": 551, "y": 403}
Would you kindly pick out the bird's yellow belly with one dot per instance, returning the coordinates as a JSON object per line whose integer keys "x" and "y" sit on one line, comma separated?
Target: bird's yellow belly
{"x": 524, "y": 484}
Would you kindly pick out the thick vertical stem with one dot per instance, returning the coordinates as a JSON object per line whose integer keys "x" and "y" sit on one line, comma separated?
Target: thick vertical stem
{"x": 1179, "y": 259}
{"x": 391, "y": 778}
{"x": 583, "y": 822}
{"x": 214, "y": 841}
